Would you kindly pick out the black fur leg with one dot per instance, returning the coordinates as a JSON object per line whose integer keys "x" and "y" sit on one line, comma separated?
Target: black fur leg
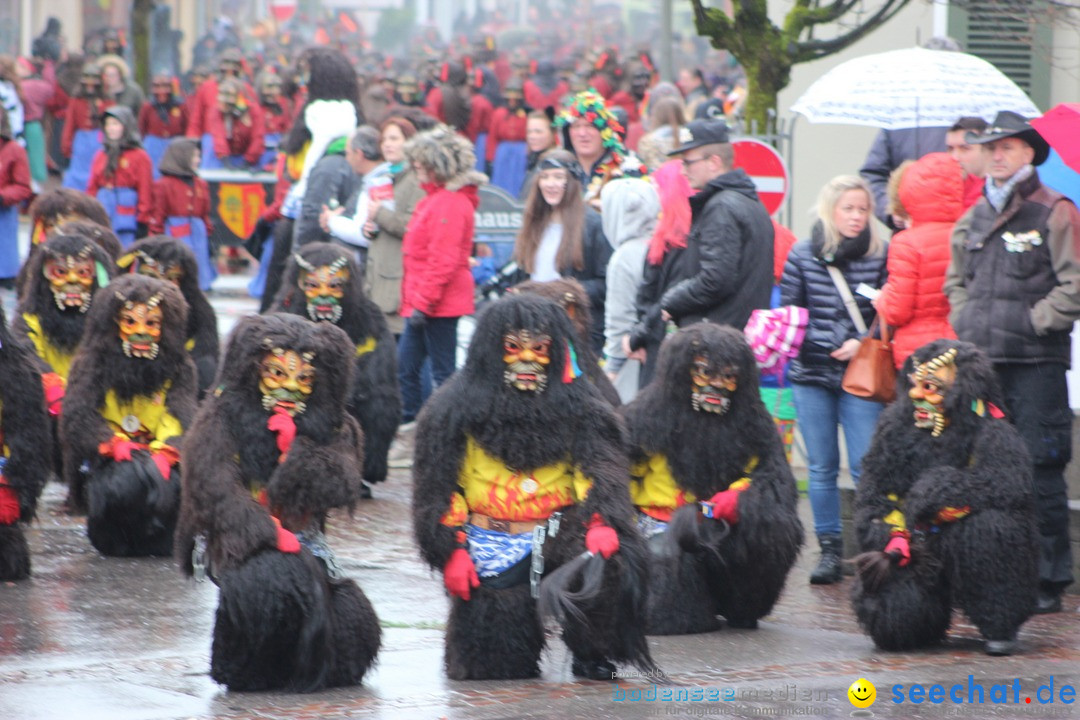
{"x": 992, "y": 562}
{"x": 356, "y": 633}
{"x": 495, "y": 635}
{"x": 679, "y": 599}
{"x": 132, "y": 512}
{"x": 906, "y": 613}
{"x": 14, "y": 553}
{"x": 273, "y": 624}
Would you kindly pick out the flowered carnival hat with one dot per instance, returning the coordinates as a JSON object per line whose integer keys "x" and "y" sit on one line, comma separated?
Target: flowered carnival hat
{"x": 590, "y": 105}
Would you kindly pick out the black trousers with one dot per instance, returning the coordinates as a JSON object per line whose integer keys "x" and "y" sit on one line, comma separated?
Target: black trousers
{"x": 1037, "y": 397}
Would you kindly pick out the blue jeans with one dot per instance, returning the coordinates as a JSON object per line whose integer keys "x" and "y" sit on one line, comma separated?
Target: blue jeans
{"x": 819, "y": 410}
{"x": 436, "y": 341}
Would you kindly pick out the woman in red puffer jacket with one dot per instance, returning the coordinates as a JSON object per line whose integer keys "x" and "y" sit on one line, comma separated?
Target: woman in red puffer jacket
{"x": 437, "y": 286}
{"x": 912, "y": 302}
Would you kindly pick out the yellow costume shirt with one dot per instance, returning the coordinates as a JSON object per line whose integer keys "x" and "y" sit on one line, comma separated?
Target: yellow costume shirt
{"x": 59, "y": 360}
{"x": 488, "y": 487}
{"x": 156, "y": 423}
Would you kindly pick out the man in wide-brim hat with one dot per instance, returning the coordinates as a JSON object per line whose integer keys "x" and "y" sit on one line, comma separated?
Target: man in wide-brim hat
{"x": 1014, "y": 287}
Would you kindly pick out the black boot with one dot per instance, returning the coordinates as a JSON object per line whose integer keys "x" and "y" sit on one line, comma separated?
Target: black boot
{"x": 829, "y": 568}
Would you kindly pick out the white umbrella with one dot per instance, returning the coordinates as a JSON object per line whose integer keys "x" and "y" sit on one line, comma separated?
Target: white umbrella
{"x": 910, "y": 88}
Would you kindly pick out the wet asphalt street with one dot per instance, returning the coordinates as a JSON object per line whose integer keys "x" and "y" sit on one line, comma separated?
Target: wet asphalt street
{"x": 94, "y": 638}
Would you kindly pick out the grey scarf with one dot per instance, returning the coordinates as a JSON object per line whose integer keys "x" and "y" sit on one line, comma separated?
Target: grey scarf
{"x": 998, "y": 195}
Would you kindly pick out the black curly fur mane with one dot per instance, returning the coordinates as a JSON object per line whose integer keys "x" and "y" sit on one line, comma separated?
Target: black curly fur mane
{"x": 912, "y": 450}
{"x": 23, "y": 421}
{"x": 331, "y": 77}
{"x": 661, "y": 419}
{"x": 570, "y": 294}
{"x": 360, "y": 317}
{"x": 202, "y": 321}
{"x": 64, "y": 328}
{"x": 238, "y": 384}
{"x": 102, "y": 350}
{"x": 524, "y": 429}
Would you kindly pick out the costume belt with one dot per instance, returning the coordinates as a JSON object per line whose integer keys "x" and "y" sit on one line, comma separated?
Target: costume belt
{"x": 511, "y": 527}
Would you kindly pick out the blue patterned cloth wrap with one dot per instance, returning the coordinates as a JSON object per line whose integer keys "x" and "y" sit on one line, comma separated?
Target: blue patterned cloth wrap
{"x": 648, "y": 525}
{"x": 495, "y": 552}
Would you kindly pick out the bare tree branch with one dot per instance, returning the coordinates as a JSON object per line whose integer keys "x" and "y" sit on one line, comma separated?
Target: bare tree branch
{"x": 814, "y": 49}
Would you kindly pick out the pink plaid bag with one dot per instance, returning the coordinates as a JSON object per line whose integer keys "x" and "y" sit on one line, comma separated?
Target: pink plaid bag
{"x": 776, "y": 335}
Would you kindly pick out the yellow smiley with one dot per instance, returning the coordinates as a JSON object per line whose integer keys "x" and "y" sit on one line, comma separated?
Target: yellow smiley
{"x": 862, "y": 693}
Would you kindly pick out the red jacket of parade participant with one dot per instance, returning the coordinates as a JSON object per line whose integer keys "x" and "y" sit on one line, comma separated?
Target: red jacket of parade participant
{"x": 236, "y": 124}
{"x": 641, "y": 72}
{"x": 276, "y": 108}
{"x": 455, "y": 104}
{"x": 85, "y": 111}
{"x": 180, "y": 192}
{"x": 14, "y": 169}
{"x": 164, "y": 115}
{"x": 606, "y": 74}
{"x": 206, "y": 98}
{"x": 912, "y": 301}
{"x": 545, "y": 89}
{"x": 198, "y": 77}
{"x": 123, "y": 164}
{"x": 507, "y": 122}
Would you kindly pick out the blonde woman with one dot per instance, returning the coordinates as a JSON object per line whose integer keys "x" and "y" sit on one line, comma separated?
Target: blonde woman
{"x": 844, "y": 238}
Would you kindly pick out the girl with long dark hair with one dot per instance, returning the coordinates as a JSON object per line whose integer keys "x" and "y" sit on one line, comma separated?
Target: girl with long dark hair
{"x": 562, "y": 237}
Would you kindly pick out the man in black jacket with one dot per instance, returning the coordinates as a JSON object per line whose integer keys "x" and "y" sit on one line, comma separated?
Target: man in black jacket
{"x": 729, "y": 248}
{"x": 1014, "y": 288}
{"x": 333, "y": 183}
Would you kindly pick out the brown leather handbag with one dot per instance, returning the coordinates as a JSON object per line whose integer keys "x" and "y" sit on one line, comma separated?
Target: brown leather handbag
{"x": 871, "y": 374}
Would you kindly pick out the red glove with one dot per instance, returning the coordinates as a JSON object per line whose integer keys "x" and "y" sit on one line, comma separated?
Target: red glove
{"x": 164, "y": 459}
{"x": 119, "y": 449}
{"x": 54, "y": 387}
{"x": 286, "y": 540}
{"x": 899, "y": 546}
{"x": 9, "y": 504}
{"x": 459, "y": 575}
{"x": 285, "y": 427}
{"x": 601, "y": 538}
{"x": 725, "y": 506}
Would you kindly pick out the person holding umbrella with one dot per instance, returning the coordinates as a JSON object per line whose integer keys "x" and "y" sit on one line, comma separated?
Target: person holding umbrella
{"x": 1014, "y": 287}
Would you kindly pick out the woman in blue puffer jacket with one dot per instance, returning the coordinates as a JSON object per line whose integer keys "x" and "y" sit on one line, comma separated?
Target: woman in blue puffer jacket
{"x": 842, "y": 237}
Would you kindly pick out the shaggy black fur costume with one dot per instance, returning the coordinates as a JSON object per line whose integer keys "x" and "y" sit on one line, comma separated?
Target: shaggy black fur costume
{"x": 374, "y": 399}
{"x": 62, "y": 329}
{"x": 986, "y": 563}
{"x": 330, "y": 76}
{"x": 61, "y": 206}
{"x": 703, "y": 567}
{"x": 132, "y": 509}
{"x": 283, "y": 622}
{"x": 571, "y": 296}
{"x": 28, "y": 440}
{"x": 202, "y": 331}
{"x": 498, "y": 633}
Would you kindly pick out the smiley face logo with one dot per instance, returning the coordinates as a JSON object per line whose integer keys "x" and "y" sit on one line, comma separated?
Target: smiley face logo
{"x": 862, "y": 693}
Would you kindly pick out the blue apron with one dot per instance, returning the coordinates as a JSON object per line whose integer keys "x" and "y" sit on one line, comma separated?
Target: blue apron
{"x": 83, "y": 149}
{"x": 9, "y": 242}
{"x": 481, "y": 151}
{"x": 210, "y": 161}
{"x": 257, "y": 286}
{"x": 509, "y": 167}
{"x": 155, "y": 147}
{"x": 269, "y": 155}
{"x": 121, "y": 204}
{"x": 192, "y": 230}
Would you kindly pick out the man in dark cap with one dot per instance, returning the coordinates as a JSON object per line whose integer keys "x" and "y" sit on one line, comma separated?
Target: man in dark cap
{"x": 1014, "y": 287}
{"x": 729, "y": 250}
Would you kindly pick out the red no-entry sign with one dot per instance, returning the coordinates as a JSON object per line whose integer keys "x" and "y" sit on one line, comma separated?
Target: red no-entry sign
{"x": 283, "y": 9}
{"x": 766, "y": 168}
